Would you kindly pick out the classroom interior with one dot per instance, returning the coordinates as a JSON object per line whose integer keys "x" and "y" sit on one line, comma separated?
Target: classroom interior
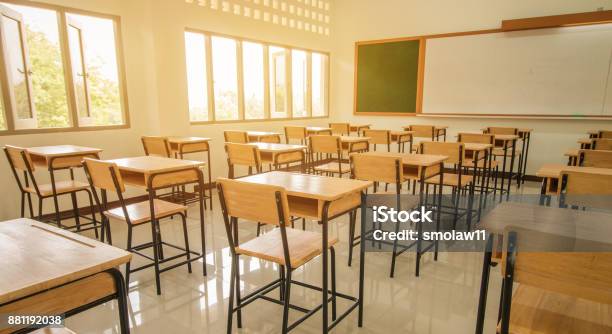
{"x": 207, "y": 166}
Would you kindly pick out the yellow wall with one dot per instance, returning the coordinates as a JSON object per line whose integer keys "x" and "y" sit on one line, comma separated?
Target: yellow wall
{"x": 356, "y": 20}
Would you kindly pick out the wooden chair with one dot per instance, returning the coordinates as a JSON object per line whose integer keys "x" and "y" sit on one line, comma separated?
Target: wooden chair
{"x": 492, "y": 165}
{"x": 606, "y": 134}
{"x": 457, "y": 179}
{"x": 340, "y": 129}
{"x": 323, "y": 148}
{"x": 287, "y": 247}
{"x": 595, "y": 158}
{"x": 380, "y": 137}
{"x": 156, "y": 146}
{"x": 602, "y": 144}
{"x": 106, "y": 177}
{"x": 423, "y": 131}
{"x": 240, "y": 137}
{"x": 243, "y": 155}
{"x": 21, "y": 163}
{"x": 273, "y": 139}
{"x": 586, "y": 189}
{"x": 298, "y": 133}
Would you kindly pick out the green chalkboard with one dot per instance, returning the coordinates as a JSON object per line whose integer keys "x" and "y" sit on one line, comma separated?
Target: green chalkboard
{"x": 387, "y": 77}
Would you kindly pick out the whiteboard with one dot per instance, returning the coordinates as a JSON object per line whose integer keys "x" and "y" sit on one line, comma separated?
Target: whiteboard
{"x": 547, "y": 72}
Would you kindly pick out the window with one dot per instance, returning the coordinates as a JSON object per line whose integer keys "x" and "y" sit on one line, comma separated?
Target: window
{"x": 233, "y": 79}
{"x": 253, "y": 63}
{"x": 50, "y": 88}
{"x": 225, "y": 78}
{"x": 197, "y": 88}
{"x": 319, "y": 84}
{"x": 299, "y": 86}
{"x": 278, "y": 86}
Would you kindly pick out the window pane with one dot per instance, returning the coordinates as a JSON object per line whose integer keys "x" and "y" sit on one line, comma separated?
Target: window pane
{"x": 278, "y": 85}
{"x": 225, "y": 78}
{"x": 78, "y": 71}
{"x": 253, "y": 63}
{"x": 17, "y": 68}
{"x": 195, "y": 51}
{"x": 45, "y": 58}
{"x": 298, "y": 74}
{"x": 319, "y": 75}
{"x": 102, "y": 71}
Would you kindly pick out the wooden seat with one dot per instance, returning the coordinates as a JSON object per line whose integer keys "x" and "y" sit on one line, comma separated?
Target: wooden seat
{"x": 61, "y": 187}
{"x": 538, "y": 311}
{"x": 303, "y": 246}
{"x": 141, "y": 212}
{"x": 452, "y": 180}
{"x": 53, "y": 330}
{"x": 334, "y": 167}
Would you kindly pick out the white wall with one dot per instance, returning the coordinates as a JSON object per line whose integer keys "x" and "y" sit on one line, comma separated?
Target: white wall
{"x": 356, "y": 20}
{"x": 156, "y": 83}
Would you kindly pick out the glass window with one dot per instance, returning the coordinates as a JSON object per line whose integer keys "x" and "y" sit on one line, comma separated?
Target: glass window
{"x": 101, "y": 76}
{"x": 319, "y": 84}
{"x": 299, "y": 83}
{"x": 225, "y": 78}
{"x": 197, "y": 87}
{"x": 253, "y": 74}
{"x": 278, "y": 82}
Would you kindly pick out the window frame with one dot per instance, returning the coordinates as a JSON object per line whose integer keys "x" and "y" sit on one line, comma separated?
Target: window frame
{"x": 266, "y": 71}
{"x": 62, "y": 21}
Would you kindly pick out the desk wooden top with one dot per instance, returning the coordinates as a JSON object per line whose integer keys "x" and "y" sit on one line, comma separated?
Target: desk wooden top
{"x": 572, "y": 153}
{"x": 152, "y": 164}
{"x": 411, "y": 159}
{"x": 188, "y": 140}
{"x": 585, "y": 140}
{"x": 62, "y": 150}
{"x": 317, "y": 187}
{"x": 262, "y": 133}
{"x": 476, "y": 147}
{"x": 37, "y": 256}
{"x": 592, "y": 228}
{"x": 353, "y": 139}
{"x": 554, "y": 170}
{"x": 317, "y": 129}
{"x": 278, "y": 148}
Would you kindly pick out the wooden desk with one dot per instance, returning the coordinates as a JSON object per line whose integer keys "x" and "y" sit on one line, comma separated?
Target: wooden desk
{"x": 355, "y": 144}
{"x": 358, "y": 128}
{"x": 477, "y": 152}
{"x": 60, "y": 157}
{"x": 259, "y": 136}
{"x": 551, "y": 173}
{"x": 316, "y": 130}
{"x": 585, "y": 143}
{"x": 154, "y": 173}
{"x": 50, "y": 271}
{"x": 440, "y": 131}
{"x": 593, "y": 133}
{"x": 321, "y": 198}
{"x": 184, "y": 145}
{"x": 555, "y": 243}
{"x": 572, "y": 156}
{"x": 525, "y": 135}
{"x": 503, "y": 143}
{"x": 279, "y": 154}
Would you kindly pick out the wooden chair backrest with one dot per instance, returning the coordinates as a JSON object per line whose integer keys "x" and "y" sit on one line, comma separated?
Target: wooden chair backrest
{"x": 101, "y": 176}
{"x": 157, "y": 146}
{"x": 378, "y": 136}
{"x": 325, "y": 144}
{"x": 586, "y": 183}
{"x": 602, "y": 144}
{"x": 295, "y": 132}
{"x": 423, "y": 131}
{"x": 342, "y": 129}
{"x": 377, "y": 168}
{"x": 454, "y": 151}
{"x": 498, "y": 130}
{"x": 606, "y": 134}
{"x": 595, "y": 158}
{"x": 243, "y": 154}
{"x": 274, "y": 139}
{"x": 18, "y": 157}
{"x": 240, "y": 137}
{"x": 476, "y": 138}
{"x": 254, "y": 202}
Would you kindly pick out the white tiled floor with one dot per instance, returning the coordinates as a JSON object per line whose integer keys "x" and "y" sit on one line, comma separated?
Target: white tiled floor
{"x": 442, "y": 300}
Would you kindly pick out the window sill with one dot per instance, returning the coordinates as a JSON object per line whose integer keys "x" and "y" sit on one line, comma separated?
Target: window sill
{"x": 59, "y": 130}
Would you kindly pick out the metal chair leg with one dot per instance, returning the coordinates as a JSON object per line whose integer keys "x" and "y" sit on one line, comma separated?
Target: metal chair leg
{"x": 184, "y": 219}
